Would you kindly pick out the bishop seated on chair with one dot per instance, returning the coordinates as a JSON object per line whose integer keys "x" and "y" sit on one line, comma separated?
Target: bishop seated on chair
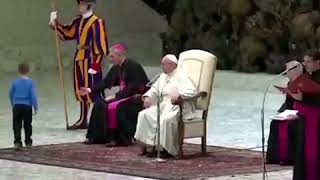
{"x": 113, "y": 120}
{"x": 172, "y": 86}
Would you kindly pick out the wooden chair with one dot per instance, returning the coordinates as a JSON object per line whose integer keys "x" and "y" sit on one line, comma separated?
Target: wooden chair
{"x": 200, "y": 66}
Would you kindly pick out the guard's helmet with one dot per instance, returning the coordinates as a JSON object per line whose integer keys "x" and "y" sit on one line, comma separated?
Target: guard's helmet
{"x": 90, "y": 3}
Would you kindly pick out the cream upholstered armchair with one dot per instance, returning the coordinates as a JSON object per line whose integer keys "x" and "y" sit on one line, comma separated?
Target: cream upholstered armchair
{"x": 200, "y": 66}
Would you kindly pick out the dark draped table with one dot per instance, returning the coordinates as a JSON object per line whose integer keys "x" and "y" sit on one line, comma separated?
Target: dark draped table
{"x": 282, "y": 142}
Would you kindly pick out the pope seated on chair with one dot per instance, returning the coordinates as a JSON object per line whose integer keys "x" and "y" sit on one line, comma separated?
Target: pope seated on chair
{"x": 172, "y": 86}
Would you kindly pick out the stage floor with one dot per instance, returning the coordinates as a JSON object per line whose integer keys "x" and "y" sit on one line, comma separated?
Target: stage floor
{"x": 234, "y": 121}
{"x": 217, "y": 162}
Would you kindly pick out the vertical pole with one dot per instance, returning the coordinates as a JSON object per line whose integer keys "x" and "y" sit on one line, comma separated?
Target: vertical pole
{"x": 61, "y": 75}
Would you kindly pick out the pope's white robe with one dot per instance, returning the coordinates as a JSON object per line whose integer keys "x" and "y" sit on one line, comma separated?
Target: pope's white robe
{"x": 168, "y": 85}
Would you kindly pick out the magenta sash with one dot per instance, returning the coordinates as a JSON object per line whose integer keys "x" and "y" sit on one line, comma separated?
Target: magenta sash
{"x": 113, "y": 107}
{"x": 112, "y": 111}
{"x": 312, "y": 117}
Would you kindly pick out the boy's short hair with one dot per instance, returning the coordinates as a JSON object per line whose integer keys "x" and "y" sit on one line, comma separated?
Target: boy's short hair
{"x": 23, "y": 68}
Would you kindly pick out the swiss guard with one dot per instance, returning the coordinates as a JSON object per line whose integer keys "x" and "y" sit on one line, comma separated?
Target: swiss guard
{"x": 89, "y": 32}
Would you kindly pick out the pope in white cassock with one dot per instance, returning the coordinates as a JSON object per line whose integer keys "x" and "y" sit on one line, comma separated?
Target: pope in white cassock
{"x": 171, "y": 86}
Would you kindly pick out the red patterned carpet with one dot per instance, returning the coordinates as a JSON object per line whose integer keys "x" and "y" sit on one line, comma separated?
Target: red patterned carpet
{"x": 124, "y": 160}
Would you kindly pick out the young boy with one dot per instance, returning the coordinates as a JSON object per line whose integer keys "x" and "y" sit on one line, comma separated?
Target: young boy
{"x": 23, "y": 97}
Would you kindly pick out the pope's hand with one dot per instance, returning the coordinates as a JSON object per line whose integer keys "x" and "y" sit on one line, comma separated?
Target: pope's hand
{"x": 147, "y": 102}
{"x": 176, "y": 99}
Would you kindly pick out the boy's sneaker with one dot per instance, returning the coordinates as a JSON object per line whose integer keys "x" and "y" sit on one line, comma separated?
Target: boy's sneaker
{"x": 17, "y": 146}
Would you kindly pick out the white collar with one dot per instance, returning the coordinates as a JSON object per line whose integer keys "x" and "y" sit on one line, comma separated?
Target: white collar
{"x": 173, "y": 72}
{"x": 24, "y": 77}
{"x": 87, "y": 14}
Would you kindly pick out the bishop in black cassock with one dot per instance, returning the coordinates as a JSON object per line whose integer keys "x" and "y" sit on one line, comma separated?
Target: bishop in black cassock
{"x": 113, "y": 120}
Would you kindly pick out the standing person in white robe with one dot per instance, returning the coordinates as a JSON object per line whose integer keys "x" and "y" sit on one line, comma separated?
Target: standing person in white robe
{"x": 171, "y": 85}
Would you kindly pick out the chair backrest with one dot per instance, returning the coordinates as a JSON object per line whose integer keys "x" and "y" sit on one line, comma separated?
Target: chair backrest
{"x": 200, "y": 66}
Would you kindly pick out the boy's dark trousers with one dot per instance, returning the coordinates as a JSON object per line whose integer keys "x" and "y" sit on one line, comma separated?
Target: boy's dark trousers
{"x": 23, "y": 113}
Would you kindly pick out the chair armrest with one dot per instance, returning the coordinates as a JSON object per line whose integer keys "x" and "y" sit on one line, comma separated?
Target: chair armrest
{"x": 201, "y": 94}
{"x": 181, "y": 100}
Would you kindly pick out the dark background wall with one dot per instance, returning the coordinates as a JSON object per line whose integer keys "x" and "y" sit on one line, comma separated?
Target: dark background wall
{"x": 246, "y": 35}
